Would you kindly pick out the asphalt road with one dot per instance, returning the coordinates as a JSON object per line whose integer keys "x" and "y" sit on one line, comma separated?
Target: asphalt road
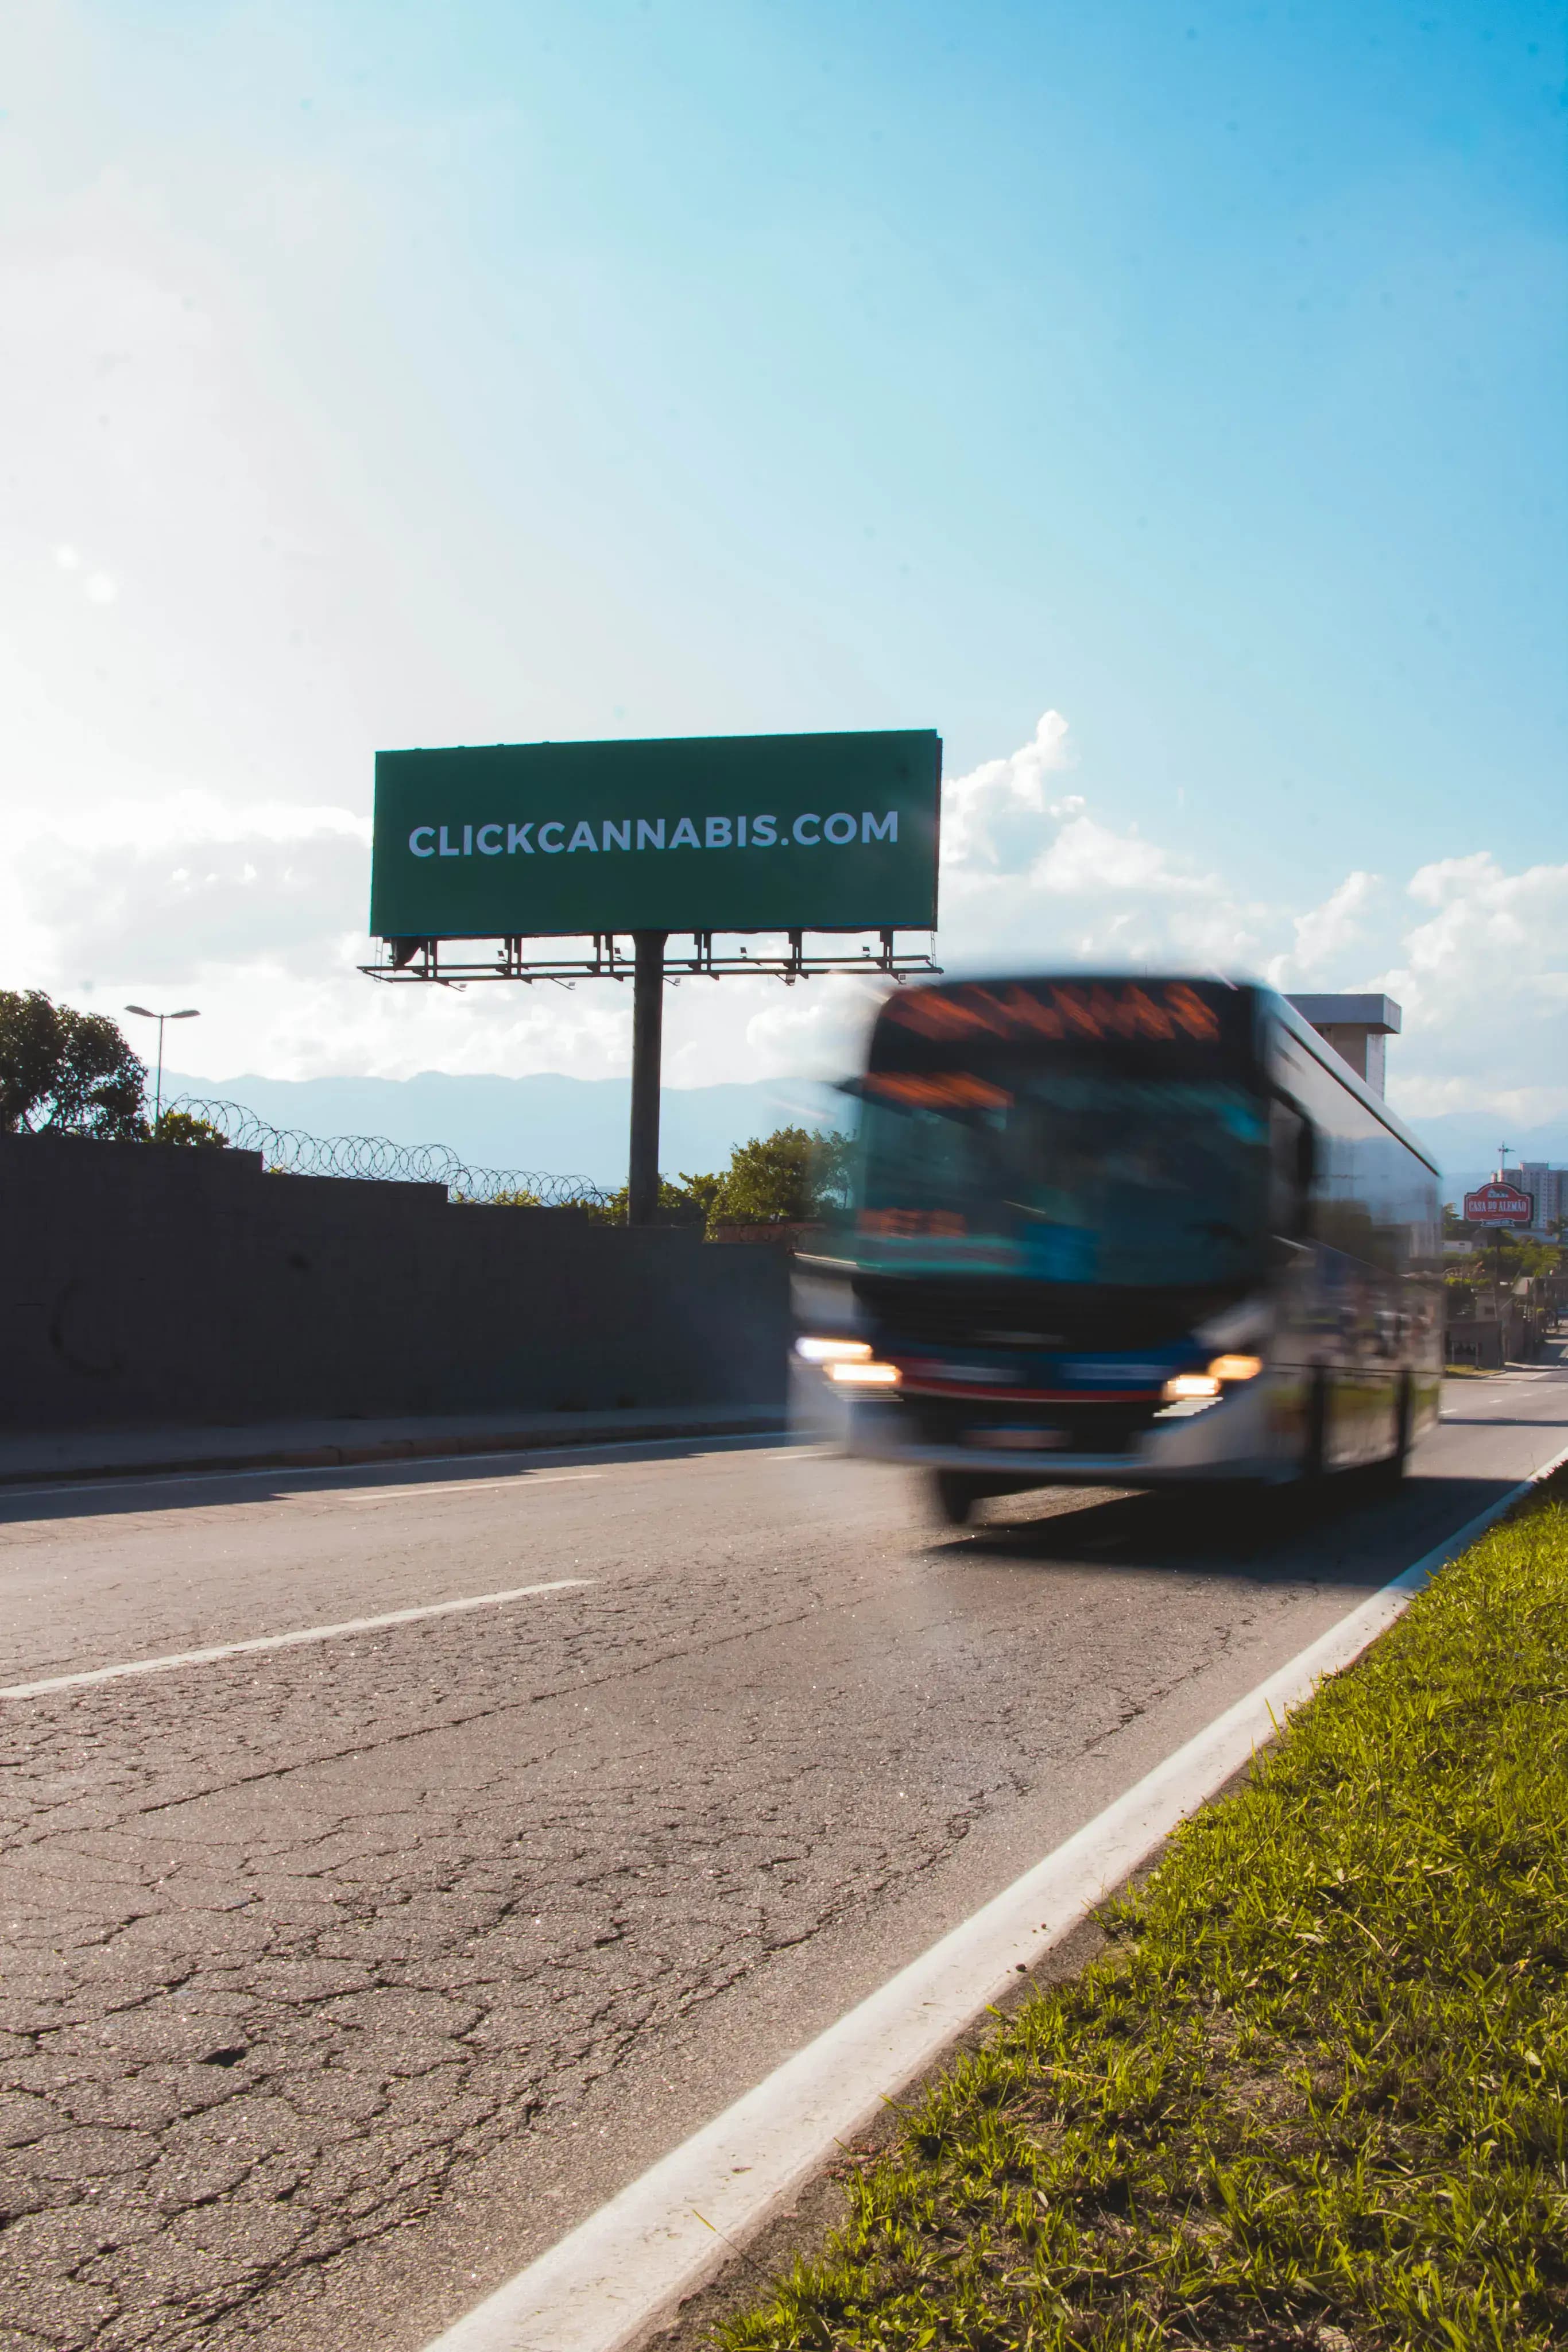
{"x": 343, "y": 1976}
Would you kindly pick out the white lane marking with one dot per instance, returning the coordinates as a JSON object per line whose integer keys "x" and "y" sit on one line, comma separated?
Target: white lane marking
{"x": 625, "y": 2270}
{"x": 282, "y": 1470}
{"x": 291, "y": 1641}
{"x": 519, "y": 1481}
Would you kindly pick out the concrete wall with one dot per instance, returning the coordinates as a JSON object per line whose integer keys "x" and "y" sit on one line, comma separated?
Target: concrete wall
{"x": 1487, "y": 1342}
{"x": 144, "y": 1283}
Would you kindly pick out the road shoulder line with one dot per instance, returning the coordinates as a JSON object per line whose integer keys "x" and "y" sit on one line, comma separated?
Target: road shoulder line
{"x": 626, "y": 2269}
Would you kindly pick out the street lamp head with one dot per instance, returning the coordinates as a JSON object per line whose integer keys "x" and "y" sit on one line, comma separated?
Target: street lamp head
{"x": 143, "y": 1010}
{"x": 193, "y": 1013}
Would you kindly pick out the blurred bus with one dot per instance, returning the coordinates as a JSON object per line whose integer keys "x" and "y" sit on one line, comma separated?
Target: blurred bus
{"x": 1120, "y": 1231}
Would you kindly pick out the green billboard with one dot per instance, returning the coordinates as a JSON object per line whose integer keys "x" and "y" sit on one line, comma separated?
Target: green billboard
{"x": 712, "y": 833}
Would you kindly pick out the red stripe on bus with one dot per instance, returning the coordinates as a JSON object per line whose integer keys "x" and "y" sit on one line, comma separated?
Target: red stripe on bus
{"x": 980, "y": 1395}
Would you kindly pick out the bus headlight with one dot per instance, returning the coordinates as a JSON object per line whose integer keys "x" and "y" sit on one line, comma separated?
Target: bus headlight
{"x": 864, "y": 1375}
{"x": 1190, "y": 1387}
{"x": 832, "y": 1351}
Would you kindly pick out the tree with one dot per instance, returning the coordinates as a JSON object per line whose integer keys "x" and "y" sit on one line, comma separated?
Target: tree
{"x": 184, "y": 1126}
{"x": 697, "y": 1196}
{"x": 685, "y": 1203}
{"x": 790, "y": 1177}
{"x": 833, "y": 1171}
{"x": 67, "y": 1073}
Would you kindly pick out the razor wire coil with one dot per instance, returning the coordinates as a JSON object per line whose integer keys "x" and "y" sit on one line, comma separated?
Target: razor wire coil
{"x": 376, "y": 1159}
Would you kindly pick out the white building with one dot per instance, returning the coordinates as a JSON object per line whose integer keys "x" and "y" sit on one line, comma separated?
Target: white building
{"x": 1548, "y": 1188}
{"x": 1357, "y": 1027}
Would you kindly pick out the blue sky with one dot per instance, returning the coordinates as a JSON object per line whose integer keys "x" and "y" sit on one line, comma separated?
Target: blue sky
{"x": 419, "y": 374}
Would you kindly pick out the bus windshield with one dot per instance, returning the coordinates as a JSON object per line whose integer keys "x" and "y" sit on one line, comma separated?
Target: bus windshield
{"x": 1065, "y": 1175}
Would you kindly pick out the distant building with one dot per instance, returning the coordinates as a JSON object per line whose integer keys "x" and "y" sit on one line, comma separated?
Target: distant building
{"x": 1357, "y": 1027}
{"x": 1549, "y": 1189}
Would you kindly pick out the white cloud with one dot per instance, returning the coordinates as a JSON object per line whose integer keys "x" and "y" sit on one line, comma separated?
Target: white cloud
{"x": 816, "y": 1029}
{"x": 254, "y": 910}
{"x": 1001, "y": 819}
{"x": 1043, "y": 879}
{"x": 1484, "y": 982}
{"x": 1477, "y": 957}
{"x": 245, "y": 897}
{"x": 1326, "y": 934}
{"x": 990, "y": 818}
{"x": 1087, "y": 858}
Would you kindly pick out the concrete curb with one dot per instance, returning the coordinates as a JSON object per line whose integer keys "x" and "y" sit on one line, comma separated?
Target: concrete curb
{"x": 532, "y": 1439}
{"x": 626, "y": 2270}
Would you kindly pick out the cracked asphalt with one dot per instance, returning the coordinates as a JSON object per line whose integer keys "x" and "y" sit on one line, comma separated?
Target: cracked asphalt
{"x": 340, "y": 1979}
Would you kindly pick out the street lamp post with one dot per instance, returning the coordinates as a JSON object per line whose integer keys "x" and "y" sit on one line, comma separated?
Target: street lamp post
{"x": 192, "y": 1012}
{"x": 1503, "y": 1152}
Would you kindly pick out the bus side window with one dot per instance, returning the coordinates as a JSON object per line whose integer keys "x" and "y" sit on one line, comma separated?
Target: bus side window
{"x": 1294, "y": 1167}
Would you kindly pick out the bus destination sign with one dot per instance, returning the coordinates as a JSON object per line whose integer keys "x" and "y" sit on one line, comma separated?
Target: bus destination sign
{"x": 742, "y": 833}
{"x": 1066, "y": 1012}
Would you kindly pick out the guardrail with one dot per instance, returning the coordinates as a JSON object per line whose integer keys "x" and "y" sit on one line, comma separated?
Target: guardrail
{"x": 376, "y": 1159}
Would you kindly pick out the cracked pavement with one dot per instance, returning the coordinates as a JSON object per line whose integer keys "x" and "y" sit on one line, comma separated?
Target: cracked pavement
{"x": 341, "y": 1980}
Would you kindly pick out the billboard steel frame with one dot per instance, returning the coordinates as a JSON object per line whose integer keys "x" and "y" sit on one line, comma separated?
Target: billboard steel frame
{"x": 648, "y": 967}
{"x": 430, "y": 960}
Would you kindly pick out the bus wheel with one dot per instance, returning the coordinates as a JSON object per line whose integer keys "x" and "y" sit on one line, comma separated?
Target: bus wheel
{"x": 1391, "y": 1469}
{"x": 1314, "y": 1451}
{"x": 957, "y": 1494}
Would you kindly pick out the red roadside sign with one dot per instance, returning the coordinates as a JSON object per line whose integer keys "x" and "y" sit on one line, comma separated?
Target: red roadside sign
{"x": 1498, "y": 1204}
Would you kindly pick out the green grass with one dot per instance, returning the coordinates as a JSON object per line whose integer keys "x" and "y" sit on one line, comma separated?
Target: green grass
{"x": 1313, "y": 2092}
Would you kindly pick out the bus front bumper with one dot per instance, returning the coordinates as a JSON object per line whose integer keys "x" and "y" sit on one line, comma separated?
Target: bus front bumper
{"x": 1250, "y": 1433}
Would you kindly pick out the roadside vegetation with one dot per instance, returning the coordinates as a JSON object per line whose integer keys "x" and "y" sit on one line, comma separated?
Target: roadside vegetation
{"x": 791, "y": 1177}
{"x": 68, "y": 1073}
{"x": 1315, "y": 2092}
{"x": 1495, "y": 1259}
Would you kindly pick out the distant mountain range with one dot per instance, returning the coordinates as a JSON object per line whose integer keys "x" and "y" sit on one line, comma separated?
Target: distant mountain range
{"x": 576, "y": 1126}
{"x": 1464, "y": 1143}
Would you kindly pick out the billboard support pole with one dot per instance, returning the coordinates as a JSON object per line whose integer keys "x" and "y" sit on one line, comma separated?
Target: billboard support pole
{"x": 647, "y": 1045}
